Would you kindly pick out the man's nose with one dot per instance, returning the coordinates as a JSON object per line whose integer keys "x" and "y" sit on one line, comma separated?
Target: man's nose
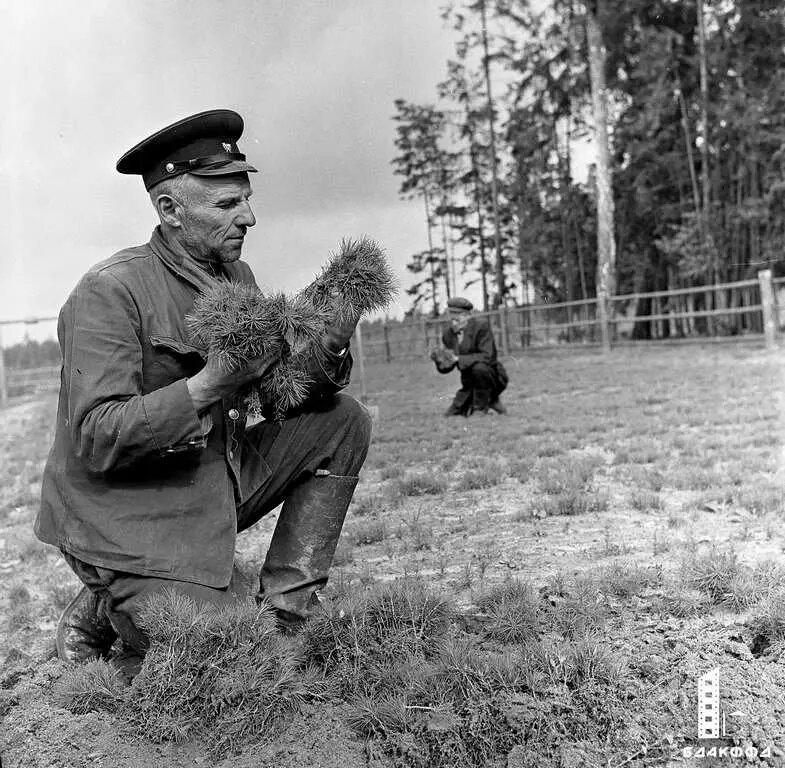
{"x": 246, "y": 217}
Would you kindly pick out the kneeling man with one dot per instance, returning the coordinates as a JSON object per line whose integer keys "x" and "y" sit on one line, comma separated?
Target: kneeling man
{"x": 154, "y": 470}
{"x": 469, "y": 345}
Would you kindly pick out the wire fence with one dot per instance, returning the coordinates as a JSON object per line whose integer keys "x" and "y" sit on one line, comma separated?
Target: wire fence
{"x": 753, "y": 309}
{"x": 747, "y": 308}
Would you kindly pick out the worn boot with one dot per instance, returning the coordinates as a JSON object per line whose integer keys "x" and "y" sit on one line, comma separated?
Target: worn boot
{"x": 301, "y": 551}
{"x": 481, "y": 400}
{"x": 498, "y": 406}
{"x": 84, "y": 631}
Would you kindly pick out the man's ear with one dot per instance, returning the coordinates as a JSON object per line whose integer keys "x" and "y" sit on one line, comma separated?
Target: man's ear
{"x": 169, "y": 210}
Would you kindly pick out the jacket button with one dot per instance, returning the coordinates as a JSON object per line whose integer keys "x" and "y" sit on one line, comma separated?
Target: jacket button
{"x": 234, "y": 414}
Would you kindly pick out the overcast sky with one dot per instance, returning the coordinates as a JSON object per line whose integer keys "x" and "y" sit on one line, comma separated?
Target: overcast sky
{"x": 84, "y": 80}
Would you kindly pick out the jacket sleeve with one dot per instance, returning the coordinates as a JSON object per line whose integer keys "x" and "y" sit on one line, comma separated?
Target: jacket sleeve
{"x": 113, "y": 423}
{"x": 483, "y": 349}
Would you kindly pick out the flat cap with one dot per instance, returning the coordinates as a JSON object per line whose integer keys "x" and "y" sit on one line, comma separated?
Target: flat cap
{"x": 458, "y": 303}
{"x": 204, "y": 144}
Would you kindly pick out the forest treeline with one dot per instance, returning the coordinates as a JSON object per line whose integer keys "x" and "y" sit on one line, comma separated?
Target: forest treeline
{"x": 694, "y": 90}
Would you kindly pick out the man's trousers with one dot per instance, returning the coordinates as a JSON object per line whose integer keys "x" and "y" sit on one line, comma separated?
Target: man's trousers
{"x": 315, "y": 459}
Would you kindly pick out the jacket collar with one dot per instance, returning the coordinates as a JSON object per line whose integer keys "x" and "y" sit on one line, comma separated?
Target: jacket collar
{"x": 179, "y": 261}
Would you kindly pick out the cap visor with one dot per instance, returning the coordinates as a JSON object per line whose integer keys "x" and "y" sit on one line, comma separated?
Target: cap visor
{"x": 236, "y": 166}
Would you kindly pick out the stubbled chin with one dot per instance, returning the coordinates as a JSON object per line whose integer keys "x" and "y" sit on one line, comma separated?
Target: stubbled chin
{"x": 229, "y": 256}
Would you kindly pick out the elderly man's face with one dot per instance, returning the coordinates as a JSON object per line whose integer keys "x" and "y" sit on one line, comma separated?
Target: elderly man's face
{"x": 216, "y": 216}
{"x": 458, "y": 320}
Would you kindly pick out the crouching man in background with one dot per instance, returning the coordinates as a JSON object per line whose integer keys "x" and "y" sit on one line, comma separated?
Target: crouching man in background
{"x": 469, "y": 345}
{"x": 153, "y": 470}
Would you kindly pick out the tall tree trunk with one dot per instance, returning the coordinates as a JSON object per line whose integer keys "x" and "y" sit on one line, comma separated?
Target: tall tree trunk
{"x": 447, "y": 259}
{"x": 480, "y": 224}
{"x": 579, "y": 251}
{"x": 500, "y": 283}
{"x": 704, "y": 146}
{"x": 562, "y": 193}
{"x": 434, "y": 294}
{"x": 691, "y": 164}
{"x": 453, "y": 274}
{"x": 606, "y": 245}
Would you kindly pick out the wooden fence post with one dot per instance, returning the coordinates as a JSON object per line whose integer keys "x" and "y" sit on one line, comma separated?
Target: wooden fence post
{"x": 361, "y": 361}
{"x": 386, "y": 341}
{"x": 424, "y": 331}
{"x": 503, "y": 330}
{"x": 3, "y": 385}
{"x": 769, "y": 308}
{"x": 602, "y": 314}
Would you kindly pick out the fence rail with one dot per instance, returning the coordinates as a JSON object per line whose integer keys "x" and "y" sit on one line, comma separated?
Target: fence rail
{"x": 749, "y": 308}
{"x": 742, "y": 308}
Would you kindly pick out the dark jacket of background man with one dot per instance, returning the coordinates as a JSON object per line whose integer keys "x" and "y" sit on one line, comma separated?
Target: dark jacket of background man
{"x": 476, "y": 351}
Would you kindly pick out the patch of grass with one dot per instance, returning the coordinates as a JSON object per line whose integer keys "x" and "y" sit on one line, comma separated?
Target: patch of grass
{"x": 573, "y": 502}
{"x": 476, "y": 478}
{"x": 712, "y": 573}
{"x": 762, "y": 500}
{"x": 391, "y": 471}
{"x": 451, "y": 713}
{"x": 360, "y": 643}
{"x": 684, "y": 602}
{"x": 367, "y": 532}
{"x": 768, "y": 622}
{"x": 628, "y": 579}
{"x": 568, "y": 474}
{"x": 417, "y": 531}
{"x": 726, "y": 581}
{"x": 366, "y": 505}
{"x": 574, "y": 607}
{"x": 675, "y": 520}
{"x": 586, "y": 658}
{"x": 646, "y": 478}
{"x": 91, "y": 687}
{"x": 645, "y": 451}
{"x": 646, "y": 501}
{"x": 421, "y": 483}
{"x": 224, "y": 672}
{"x": 690, "y": 478}
{"x": 521, "y": 469}
{"x": 513, "y": 609}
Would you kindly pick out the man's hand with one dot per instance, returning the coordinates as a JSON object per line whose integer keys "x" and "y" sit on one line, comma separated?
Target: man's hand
{"x": 444, "y": 358}
{"x": 337, "y": 334}
{"x": 212, "y": 383}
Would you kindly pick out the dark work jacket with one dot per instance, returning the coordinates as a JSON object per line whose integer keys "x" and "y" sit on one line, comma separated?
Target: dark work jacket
{"x": 476, "y": 346}
{"x": 136, "y": 481}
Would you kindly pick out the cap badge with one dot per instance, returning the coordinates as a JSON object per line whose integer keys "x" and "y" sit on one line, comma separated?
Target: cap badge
{"x": 227, "y": 146}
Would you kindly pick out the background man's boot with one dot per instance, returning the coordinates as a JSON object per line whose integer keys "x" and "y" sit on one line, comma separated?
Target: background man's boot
{"x": 303, "y": 544}
{"x": 84, "y": 631}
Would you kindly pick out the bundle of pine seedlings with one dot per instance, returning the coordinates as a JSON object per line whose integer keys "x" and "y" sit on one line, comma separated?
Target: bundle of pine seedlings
{"x": 236, "y": 323}
{"x": 355, "y": 281}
